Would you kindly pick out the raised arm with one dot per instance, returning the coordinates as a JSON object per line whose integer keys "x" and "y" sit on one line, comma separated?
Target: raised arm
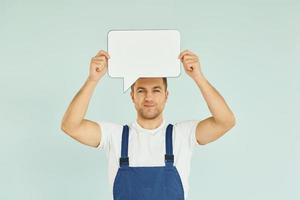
{"x": 73, "y": 123}
{"x": 222, "y": 118}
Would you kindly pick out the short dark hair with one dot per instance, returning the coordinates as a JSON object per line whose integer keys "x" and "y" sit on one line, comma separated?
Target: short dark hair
{"x": 164, "y": 80}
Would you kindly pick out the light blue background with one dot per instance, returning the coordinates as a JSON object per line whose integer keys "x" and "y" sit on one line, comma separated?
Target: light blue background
{"x": 249, "y": 52}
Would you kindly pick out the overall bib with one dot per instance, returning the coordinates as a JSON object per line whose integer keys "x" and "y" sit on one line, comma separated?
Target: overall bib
{"x": 147, "y": 183}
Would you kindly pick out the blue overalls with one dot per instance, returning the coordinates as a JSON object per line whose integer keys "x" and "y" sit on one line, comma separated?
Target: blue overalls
{"x": 147, "y": 183}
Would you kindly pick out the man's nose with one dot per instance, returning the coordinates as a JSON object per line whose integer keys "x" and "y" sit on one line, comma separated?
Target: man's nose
{"x": 148, "y": 96}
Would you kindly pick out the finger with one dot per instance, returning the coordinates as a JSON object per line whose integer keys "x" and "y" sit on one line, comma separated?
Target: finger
{"x": 190, "y": 62}
{"x": 98, "y": 69}
{"x": 101, "y": 52}
{"x": 102, "y": 56}
{"x": 184, "y": 53}
{"x": 99, "y": 62}
{"x": 181, "y": 53}
{"x": 189, "y": 57}
{"x": 99, "y": 58}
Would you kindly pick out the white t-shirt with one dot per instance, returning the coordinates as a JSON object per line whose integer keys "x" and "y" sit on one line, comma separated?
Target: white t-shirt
{"x": 146, "y": 147}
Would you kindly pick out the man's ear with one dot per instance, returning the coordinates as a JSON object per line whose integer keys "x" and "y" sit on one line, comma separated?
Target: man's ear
{"x": 132, "y": 96}
{"x": 167, "y": 94}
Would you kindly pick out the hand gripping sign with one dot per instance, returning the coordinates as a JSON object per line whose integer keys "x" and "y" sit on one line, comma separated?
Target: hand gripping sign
{"x": 143, "y": 53}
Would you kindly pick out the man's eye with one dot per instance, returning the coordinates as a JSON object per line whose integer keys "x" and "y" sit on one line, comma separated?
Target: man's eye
{"x": 156, "y": 90}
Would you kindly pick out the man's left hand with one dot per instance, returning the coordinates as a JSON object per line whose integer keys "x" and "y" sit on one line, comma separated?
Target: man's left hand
{"x": 190, "y": 63}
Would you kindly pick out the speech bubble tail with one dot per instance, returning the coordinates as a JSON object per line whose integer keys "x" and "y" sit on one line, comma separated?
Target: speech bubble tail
{"x": 128, "y": 81}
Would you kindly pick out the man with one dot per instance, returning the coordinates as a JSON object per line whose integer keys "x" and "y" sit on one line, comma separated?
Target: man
{"x": 149, "y": 158}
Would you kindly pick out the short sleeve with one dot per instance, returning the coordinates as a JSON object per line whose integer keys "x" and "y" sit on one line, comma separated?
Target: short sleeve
{"x": 193, "y": 138}
{"x": 187, "y": 129}
{"x": 107, "y": 128}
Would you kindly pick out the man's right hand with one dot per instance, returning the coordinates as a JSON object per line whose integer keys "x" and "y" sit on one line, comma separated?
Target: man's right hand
{"x": 98, "y": 65}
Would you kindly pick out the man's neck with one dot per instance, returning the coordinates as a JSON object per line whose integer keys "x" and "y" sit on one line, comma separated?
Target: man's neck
{"x": 150, "y": 123}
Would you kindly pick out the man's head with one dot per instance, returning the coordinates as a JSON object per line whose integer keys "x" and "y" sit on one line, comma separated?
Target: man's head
{"x": 149, "y": 96}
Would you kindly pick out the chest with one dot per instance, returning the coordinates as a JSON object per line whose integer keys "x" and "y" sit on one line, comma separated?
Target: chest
{"x": 146, "y": 149}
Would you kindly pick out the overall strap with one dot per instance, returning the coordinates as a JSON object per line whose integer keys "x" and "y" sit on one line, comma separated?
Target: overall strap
{"x": 124, "y": 160}
{"x": 169, "y": 157}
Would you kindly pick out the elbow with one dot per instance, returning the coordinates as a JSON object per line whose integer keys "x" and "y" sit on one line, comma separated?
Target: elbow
{"x": 231, "y": 122}
{"x": 62, "y": 127}
{"x": 68, "y": 128}
{"x": 63, "y": 124}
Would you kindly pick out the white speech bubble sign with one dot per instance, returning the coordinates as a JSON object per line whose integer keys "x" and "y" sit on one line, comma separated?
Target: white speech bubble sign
{"x": 143, "y": 53}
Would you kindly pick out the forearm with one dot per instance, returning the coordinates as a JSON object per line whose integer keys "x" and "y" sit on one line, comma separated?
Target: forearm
{"x": 78, "y": 106}
{"x": 216, "y": 103}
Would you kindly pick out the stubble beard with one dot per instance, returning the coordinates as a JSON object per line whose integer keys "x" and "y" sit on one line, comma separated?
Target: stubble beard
{"x": 149, "y": 114}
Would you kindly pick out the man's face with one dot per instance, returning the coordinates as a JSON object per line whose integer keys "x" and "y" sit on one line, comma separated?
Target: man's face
{"x": 149, "y": 97}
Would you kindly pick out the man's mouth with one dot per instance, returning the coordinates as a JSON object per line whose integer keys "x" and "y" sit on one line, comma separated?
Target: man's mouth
{"x": 148, "y": 105}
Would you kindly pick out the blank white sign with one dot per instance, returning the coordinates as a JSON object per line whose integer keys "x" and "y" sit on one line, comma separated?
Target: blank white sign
{"x": 143, "y": 53}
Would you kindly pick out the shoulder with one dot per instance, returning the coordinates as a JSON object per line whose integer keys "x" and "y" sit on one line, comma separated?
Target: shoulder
{"x": 109, "y": 130}
{"x": 109, "y": 124}
{"x": 109, "y": 127}
{"x": 185, "y": 130}
{"x": 186, "y": 125}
